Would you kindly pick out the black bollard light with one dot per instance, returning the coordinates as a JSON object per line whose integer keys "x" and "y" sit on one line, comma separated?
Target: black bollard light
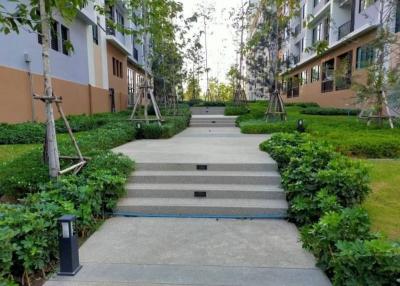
{"x": 300, "y": 126}
{"x": 68, "y": 247}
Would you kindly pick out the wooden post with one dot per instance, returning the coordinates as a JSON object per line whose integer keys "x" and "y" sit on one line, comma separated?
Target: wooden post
{"x": 52, "y": 148}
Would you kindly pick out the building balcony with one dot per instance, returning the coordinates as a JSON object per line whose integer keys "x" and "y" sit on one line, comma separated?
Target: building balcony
{"x": 344, "y": 30}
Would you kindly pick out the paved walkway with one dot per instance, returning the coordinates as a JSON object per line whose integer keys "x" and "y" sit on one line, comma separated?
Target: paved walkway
{"x": 195, "y": 252}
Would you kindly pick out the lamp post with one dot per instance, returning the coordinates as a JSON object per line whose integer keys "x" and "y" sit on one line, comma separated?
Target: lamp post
{"x": 68, "y": 247}
{"x": 300, "y": 126}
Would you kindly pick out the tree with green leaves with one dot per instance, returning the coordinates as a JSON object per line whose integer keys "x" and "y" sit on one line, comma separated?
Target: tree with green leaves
{"x": 269, "y": 36}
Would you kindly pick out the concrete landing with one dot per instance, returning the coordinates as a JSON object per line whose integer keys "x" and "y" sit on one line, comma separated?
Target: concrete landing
{"x": 166, "y": 251}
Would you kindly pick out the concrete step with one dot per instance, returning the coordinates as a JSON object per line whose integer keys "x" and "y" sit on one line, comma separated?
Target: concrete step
{"x": 207, "y": 110}
{"x": 202, "y": 207}
{"x": 216, "y": 191}
{"x": 246, "y": 167}
{"x": 212, "y": 124}
{"x": 212, "y": 118}
{"x": 206, "y": 177}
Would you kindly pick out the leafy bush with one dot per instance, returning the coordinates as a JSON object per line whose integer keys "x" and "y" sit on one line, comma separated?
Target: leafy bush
{"x": 370, "y": 262}
{"x": 17, "y": 183}
{"x": 347, "y": 225}
{"x": 283, "y": 146}
{"x": 199, "y": 103}
{"x": 263, "y": 127}
{"x": 80, "y": 123}
{"x": 232, "y": 110}
{"x": 23, "y": 133}
{"x": 347, "y": 179}
{"x": 33, "y": 242}
{"x": 329, "y": 111}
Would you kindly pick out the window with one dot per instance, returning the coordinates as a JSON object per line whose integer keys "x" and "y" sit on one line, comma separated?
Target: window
{"x": 303, "y": 77}
{"x": 54, "y": 35}
{"x": 316, "y": 2}
{"x": 316, "y": 33}
{"x": 328, "y": 69}
{"x": 344, "y": 71}
{"x": 95, "y": 31}
{"x": 303, "y": 12}
{"x": 120, "y": 19}
{"x": 397, "y": 27}
{"x": 302, "y": 45}
{"x": 364, "y": 4}
{"x": 315, "y": 70}
{"x": 117, "y": 68}
{"x": 326, "y": 28}
{"x": 65, "y": 40}
{"x": 365, "y": 56}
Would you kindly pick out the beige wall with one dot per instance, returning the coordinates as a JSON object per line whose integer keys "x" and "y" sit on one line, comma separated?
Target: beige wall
{"x": 16, "y": 103}
{"x": 311, "y": 92}
{"x": 120, "y": 85}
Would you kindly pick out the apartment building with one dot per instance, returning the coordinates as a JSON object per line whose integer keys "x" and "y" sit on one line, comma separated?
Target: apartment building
{"x": 347, "y": 28}
{"x": 98, "y": 75}
{"x": 256, "y": 61}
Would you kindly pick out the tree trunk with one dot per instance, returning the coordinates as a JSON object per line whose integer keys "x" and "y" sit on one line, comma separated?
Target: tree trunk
{"x": 52, "y": 148}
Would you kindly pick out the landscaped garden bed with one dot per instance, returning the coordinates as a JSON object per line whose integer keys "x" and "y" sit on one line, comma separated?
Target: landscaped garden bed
{"x": 348, "y": 134}
{"x": 325, "y": 191}
{"x": 32, "y": 204}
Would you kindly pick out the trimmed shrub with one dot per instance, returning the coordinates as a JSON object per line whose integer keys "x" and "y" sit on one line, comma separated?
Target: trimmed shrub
{"x": 347, "y": 179}
{"x": 263, "y": 127}
{"x": 347, "y": 225}
{"x": 302, "y": 104}
{"x": 22, "y": 133}
{"x": 370, "y": 262}
{"x": 232, "y": 110}
{"x": 283, "y": 146}
{"x": 329, "y": 111}
{"x": 80, "y": 123}
{"x": 33, "y": 240}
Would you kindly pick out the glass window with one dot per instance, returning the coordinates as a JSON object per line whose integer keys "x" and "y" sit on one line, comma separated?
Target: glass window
{"x": 65, "y": 39}
{"x": 303, "y": 77}
{"x": 54, "y": 35}
{"x": 364, "y": 4}
{"x": 365, "y": 56}
{"x": 95, "y": 30}
{"x": 315, "y": 71}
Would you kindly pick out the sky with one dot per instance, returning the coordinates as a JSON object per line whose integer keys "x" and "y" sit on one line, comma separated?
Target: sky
{"x": 221, "y": 46}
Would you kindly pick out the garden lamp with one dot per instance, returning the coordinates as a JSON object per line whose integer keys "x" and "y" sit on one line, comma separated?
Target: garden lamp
{"x": 68, "y": 247}
{"x": 300, "y": 126}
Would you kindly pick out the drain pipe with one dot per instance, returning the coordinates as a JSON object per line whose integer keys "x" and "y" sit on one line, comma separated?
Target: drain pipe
{"x": 28, "y": 61}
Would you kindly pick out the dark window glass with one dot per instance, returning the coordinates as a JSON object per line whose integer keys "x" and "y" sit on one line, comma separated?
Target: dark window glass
{"x": 65, "y": 39}
{"x": 315, "y": 73}
{"x": 54, "y": 35}
{"x": 95, "y": 31}
{"x": 365, "y": 56}
{"x": 114, "y": 67}
{"x": 397, "y": 28}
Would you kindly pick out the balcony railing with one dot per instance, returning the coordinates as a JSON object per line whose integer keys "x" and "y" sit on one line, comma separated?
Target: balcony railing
{"x": 344, "y": 30}
{"x": 296, "y": 59}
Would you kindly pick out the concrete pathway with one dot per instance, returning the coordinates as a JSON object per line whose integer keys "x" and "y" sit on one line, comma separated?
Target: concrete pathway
{"x": 195, "y": 251}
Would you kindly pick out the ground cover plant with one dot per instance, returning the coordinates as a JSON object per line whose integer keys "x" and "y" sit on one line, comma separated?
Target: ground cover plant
{"x": 347, "y": 134}
{"x": 325, "y": 191}
{"x": 28, "y": 230}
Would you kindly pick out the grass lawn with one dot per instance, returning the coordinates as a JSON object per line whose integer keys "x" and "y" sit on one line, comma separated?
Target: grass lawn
{"x": 383, "y": 204}
{"x": 349, "y": 135}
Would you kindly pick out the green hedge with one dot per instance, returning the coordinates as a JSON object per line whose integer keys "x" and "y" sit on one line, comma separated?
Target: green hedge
{"x": 302, "y": 104}
{"x": 233, "y": 110}
{"x": 329, "y": 111}
{"x": 27, "y": 133}
{"x": 25, "y": 174}
{"x": 324, "y": 190}
{"x": 29, "y": 231}
{"x": 263, "y": 127}
{"x": 23, "y": 133}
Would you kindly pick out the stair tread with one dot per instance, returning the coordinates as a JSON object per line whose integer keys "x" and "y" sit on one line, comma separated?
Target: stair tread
{"x": 203, "y": 202}
{"x": 206, "y": 173}
{"x": 205, "y": 187}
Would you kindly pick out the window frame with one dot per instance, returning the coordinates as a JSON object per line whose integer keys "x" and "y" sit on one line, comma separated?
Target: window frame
{"x": 64, "y": 32}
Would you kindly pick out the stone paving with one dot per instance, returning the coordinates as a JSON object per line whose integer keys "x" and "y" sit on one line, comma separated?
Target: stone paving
{"x": 195, "y": 251}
